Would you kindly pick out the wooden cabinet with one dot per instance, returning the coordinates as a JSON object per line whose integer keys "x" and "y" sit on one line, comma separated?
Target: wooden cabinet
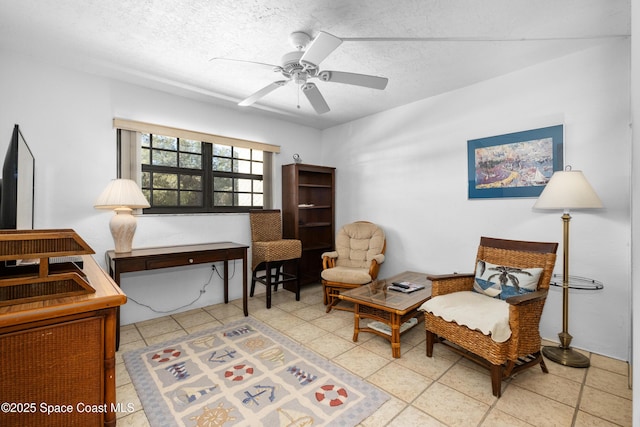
{"x": 57, "y": 337}
{"x": 308, "y": 212}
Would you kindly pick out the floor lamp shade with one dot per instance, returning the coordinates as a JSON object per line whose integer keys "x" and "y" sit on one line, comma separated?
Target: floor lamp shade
{"x": 567, "y": 190}
{"x": 122, "y": 196}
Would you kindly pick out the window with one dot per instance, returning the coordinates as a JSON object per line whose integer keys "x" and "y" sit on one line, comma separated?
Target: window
{"x": 182, "y": 175}
{"x": 188, "y": 172}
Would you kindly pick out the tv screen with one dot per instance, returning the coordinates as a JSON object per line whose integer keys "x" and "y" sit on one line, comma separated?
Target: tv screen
{"x": 16, "y": 201}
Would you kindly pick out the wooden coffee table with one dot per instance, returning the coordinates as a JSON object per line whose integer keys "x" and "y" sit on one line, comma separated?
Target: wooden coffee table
{"x": 389, "y": 307}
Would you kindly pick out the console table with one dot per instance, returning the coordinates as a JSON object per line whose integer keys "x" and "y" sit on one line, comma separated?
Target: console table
{"x": 179, "y": 256}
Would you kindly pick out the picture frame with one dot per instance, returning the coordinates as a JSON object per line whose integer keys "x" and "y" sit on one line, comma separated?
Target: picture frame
{"x": 514, "y": 165}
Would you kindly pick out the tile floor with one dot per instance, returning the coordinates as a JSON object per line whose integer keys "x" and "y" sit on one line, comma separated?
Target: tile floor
{"x": 445, "y": 390}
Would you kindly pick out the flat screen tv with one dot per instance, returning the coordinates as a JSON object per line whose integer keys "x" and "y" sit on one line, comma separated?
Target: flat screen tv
{"x": 17, "y": 188}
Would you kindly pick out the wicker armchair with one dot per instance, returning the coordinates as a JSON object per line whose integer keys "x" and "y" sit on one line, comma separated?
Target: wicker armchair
{"x": 359, "y": 251}
{"x": 522, "y": 312}
{"x": 269, "y": 252}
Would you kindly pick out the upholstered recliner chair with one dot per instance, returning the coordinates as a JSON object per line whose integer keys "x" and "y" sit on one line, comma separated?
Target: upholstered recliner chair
{"x": 492, "y": 316}
{"x": 359, "y": 251}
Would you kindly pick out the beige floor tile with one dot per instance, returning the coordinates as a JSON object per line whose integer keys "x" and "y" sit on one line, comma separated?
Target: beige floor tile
{"x": 587, "y": 420}
{"x": 330, "y": 345}
{"x": 385, "y": 413}
{"x": 450, "y": 407}
{"x": 223, "y": 311}
{"x": 574, "y": 374}
{"x": 610, "y": 382}
{"x": 129, "y": 333}
{"x": 305, "y": 332}
{"x": 399, "y": 381}
{"x": 204, "y": 326}
{"x": 122, "y": 375}
{"x": 310, "y": 312}
{"x": 378, "y": 345}
{"x": 332, "y": 323}
{"x": 614, "y": 365}
{"x": 193, "y": 318}
{"x": 137, "y": 419}
{"x": 413, "y": 417}
{"x": 431, "y": 367}
{"x": 126, "y": 396}
{"x": 283, "y": 321}
{"x": 361, "y": 361}
{"x": 160, "y": 326}
{"x": 607, "y": 406}
{"x": 497, "y": 418}
{"x": 534, "y": 408}
{"x": 549, "y": 385}
{"x": 475, "y": 384}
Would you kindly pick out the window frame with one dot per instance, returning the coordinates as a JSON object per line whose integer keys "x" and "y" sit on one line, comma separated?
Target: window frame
{"x": 130, "y": 165}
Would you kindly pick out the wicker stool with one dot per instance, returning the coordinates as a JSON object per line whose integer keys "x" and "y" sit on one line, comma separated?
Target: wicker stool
{"x": 269, "y": 252}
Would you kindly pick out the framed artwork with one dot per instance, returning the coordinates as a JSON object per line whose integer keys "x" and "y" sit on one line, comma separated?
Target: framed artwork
{"x": 514, "y": 165}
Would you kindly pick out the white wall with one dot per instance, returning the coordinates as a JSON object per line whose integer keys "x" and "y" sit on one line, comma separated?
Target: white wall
{"x": 66, "y": 118}
{"x": 406, "y": 169}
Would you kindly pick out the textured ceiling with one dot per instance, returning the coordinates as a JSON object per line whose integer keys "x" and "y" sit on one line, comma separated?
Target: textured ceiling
{"x": 437, "y": 46}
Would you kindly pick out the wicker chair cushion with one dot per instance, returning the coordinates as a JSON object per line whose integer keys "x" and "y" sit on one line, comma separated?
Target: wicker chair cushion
{"x": 279, "y": 250}
{"x": 473, "y": 310}
{"x": 502, "y": 282}
{"x": 358, "y": 243}
{"x": 351, "y": 275}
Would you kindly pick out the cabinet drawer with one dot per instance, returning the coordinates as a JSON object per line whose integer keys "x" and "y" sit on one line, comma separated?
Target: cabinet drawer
{"x": 181, "y": 260}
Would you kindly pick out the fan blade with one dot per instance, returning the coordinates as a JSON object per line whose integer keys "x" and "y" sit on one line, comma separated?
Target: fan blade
{"x": 315, "y": 98}
{"x": 262, "y": 92}
{"x": 319, "y": 49}
{"x": 372, "y": 82}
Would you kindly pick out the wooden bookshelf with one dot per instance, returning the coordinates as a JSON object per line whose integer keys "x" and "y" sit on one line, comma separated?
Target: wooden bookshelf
{"x": 308, "y": 213}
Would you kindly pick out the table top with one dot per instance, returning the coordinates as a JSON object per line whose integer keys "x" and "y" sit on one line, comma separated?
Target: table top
{"x": 163, "y": 250}
{"x": 388, "y": 299}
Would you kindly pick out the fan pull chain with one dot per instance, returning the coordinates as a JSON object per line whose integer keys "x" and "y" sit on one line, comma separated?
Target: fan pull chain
{"x": 299, "y": 89}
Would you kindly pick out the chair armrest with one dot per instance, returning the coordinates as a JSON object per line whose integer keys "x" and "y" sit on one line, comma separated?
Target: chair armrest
{"x": 527, "y": 298}
{"x": 377, "y": 258}
{"x": 448, "y": 283}
{"x": 332, "y": 254}
{"x": 329, "y": 259}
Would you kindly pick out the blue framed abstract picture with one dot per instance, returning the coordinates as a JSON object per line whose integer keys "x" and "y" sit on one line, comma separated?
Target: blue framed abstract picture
{"x": 514, "y": 165}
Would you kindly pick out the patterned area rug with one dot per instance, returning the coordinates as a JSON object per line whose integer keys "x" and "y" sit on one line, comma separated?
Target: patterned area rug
{"x": 246, "y": 374}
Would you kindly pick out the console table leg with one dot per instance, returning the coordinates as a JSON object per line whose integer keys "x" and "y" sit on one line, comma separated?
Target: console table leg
{"x": 226, "y": 281}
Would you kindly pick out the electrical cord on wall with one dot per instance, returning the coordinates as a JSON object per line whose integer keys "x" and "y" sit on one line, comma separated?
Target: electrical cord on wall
{"x": 202, "y": 291}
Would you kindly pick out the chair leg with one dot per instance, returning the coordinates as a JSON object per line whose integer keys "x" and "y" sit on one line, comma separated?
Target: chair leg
{"x": 430, "y": 341}
{"x": 253, "y": 282}
{"x": 496, "y": 380}
{"x": 297, "y": 261}
{"x": 268, "y": 284}
{"x": 543, "y": 365}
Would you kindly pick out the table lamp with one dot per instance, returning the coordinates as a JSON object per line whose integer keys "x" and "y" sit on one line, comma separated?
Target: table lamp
{"x": 567, "y": 190}
{"x": 122, "y": 195}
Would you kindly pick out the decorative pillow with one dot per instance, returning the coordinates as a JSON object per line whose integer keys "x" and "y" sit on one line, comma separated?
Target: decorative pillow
{"x": 502, "y": 282}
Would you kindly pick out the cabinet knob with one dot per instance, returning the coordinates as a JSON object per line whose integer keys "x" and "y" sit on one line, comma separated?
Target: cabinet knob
{"x": 190, "y": 260}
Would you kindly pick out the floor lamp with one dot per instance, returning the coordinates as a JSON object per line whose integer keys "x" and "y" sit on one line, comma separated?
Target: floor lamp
{"x": 567, "y": 190}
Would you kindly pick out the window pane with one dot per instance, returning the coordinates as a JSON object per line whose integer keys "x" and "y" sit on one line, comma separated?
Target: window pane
{"x": 190, "y": 182}
{"x": 223, "y": 199}
{"x": 242, "y": 166}
{"x": 165, "y": 198}
{"x": 190, "y": 146}
{"x": 244, "y": 199}
{"x": 257, "y": 186}
{"x": 145, "y": 156}
{"x": 243, "y": 185}
{"x": 256, "y": 168}
{"x": 222, "y": 184}
{"x": 165, "y": 142}
{"x": 221, "y": 150}
{"x": 258, "y": 155}
{"x": 165, "y": 158}
{"x": 190, "y": 161}
{"x": 145, "y": 139}
{"x": 165, "y": 180}
{"x": 221, "y": 164}
{"x": 257, "y": 200}
{"x": 190, "y": 198}
{"x": 242, "y": 153}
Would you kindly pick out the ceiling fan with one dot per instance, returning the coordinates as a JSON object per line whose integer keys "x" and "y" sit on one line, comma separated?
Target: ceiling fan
{"x": 302, "y": 65}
